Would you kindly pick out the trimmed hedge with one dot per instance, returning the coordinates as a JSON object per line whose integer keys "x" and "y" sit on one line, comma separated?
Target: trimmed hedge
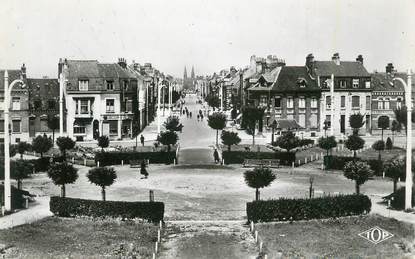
{"x": 115, "y": 158}
{"x": 238, "y": 157}
{"x": 70, "y": 207}
{"x": 317, "y": 208}
{"x": 338, "y": 162}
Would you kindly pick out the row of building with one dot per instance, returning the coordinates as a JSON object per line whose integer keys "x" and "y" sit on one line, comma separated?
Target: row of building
{"x": 112, "y": 99}
{"x": 302, "y": 93}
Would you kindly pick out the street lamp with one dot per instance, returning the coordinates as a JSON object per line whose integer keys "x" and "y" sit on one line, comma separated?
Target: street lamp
{"x": 408, "y": 97}
{"x": 7, "y": 94}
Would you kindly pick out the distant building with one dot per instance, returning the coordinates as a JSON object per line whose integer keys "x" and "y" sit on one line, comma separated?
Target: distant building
{"x": 189, "y": 82}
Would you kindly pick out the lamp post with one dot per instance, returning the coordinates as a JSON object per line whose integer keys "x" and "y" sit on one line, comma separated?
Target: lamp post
{"x": 408, "y": 97}
{"x": 158, "y": 106}
{"x": 7, "y": 184}
{"x": 61, "y": 86}
{"x": 332, "y": 105}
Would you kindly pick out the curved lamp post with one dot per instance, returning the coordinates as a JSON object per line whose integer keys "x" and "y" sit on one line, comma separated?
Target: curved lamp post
{"x": 7, "y": 93}
{"x": 408, "y": 97}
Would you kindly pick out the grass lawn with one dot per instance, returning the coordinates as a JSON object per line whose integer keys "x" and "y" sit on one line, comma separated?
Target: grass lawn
{"x": 336, "y": 238}
{"x": 75, "y": 238}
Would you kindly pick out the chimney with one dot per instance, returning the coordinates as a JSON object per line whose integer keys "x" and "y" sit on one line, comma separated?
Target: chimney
{"x": 336, "y": 58}
{"x": 23, "y": 69}
{"x": 389, "y": 68}
{"x": 309, "y": 63}
{"x": 122, "y": 62}
{"x": 360, "y": 59}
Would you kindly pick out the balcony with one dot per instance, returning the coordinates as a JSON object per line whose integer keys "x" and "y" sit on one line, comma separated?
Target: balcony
{"x": 84, "y": 114}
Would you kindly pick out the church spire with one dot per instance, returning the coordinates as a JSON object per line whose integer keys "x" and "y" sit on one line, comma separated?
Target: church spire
{"x": 193, "y": 73}
{"x": 185, "y": 73}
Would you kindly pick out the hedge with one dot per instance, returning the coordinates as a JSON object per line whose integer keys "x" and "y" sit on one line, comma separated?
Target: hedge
{"x": 115, "y": 158}
{"x": 18, "y": 197}
{"x": 338, "y": 162}
{"x": 317, "y": 208}
{"x": 238, "y": 157}
{"x": 70, "y": 207}
{"x": 397, "y": 198}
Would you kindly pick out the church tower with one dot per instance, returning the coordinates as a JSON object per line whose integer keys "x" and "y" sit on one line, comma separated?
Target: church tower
{"x": 185, "y": 73}
{"x": 193, "y": 73}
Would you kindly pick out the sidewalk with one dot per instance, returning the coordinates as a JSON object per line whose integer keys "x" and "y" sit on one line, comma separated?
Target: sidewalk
{"x": 36, "y": 211}
{"x": 382, "y": 210}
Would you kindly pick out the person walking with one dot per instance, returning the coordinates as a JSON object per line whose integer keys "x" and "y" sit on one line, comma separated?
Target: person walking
{"x": 142, "y": 140}
{"x": 190, "y": 113}
{"x": 216, "y": 156}
{"x": 143, "y": 169}
{"x": 201, "y": 117}
{"x": 198, "y": 117}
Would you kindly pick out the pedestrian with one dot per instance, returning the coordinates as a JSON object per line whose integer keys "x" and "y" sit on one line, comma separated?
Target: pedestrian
{"x": 143, "y": 169}
{"x": 201, "y": 117}
{"x": 190, "y": 113}
{"x": 142, "y": 140}
{"x": 187, "y": 113}
{"x": 216, "y": 156}
{"x": 198, "y": 117}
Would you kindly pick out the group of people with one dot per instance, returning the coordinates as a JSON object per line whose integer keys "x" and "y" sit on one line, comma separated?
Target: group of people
{"x": 200, "y": 116}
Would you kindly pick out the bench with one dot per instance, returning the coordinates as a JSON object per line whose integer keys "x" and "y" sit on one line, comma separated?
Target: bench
{"x": 137, "y": 163}
{"x": 275, "y": 163}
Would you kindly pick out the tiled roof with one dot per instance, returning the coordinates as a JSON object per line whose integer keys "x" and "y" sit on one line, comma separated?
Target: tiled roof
{"x": 83, "y": 68}
{"x": 345, "y": 69}
{"x": 385, "y": 82}
{"x": 13, "y": 75}
{"x": 43, "y": 88}
{"x": 290, "y": 79}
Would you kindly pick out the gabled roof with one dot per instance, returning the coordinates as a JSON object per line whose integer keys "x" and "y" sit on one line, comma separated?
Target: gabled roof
{"x": 385, "y": 82}
{"x": 290, "y": 79}
{"x": 13, "y": 75}
{"x": 344, "y": 69}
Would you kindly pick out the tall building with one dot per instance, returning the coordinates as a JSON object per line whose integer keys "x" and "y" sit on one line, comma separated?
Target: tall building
{"x": 189, "y": 82}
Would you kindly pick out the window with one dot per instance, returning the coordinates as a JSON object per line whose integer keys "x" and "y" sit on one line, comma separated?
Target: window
{"x": 301, "y": 102}
{"x": 367, "y": 84}
{"x": 2, "y": 126}
{"x": 125, "y": 85}
{"x": 113, "y": 127}
{"x": 313, "y": 103}
{"x": 301, "y": 120}
{"x": 343, "y": 84}
{"x": 290, "y": 102}
{"x": 110, "y": 85}
{"x": 328, "y": 121}
{"x": 51, "y": 104}
{"x": 399, "y": 103}
{"x": 386, "y": 104}
{"x": 16, "y": 103}
{"x": 368, "y": 102}
{"x": 263, "y": 100}
{"x": 78, "y": 129}
{"x": 1, "y": 103}
{"x": 128, "y": 105}
{"x": 328, "y": 102}
{"x": 83, "y": 85}
{"x": 380, "y": 104}
{"x": 84, "y": 107}
{"x": 44, "y": 124}
{"x": 355, "y": 83}
{"x": 16, "y": 125}
{"x": 342, "y": 101}
{"x": 110, "y": 106}
{"x": 313, "y": 121}
{"x": 17, "y": 140}
{"x": 277, "y": 102}
{"x": 355, "y": 101}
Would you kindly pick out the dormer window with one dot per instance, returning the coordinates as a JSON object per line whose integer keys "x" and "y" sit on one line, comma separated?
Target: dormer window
{"x": 343, "y": 83}
{"x": 355, "y": 83}
{"x": 83, "y": 85}
{"x": 110, "y": 85}
{"x": 301, "y": 82}
{"x": 367, "y": 84}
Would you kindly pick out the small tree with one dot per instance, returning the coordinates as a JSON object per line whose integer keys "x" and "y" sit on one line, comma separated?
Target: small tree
{"x": 103, "y": 142}
{"x": 259, "y": 178}
{"x": 356, "y": 121}
{"x": 217, "y": 121}
{"x": 354, "y": 142}
{"x": 357, "y": 171}
{"x": 62, "y": 174}
{"x": 213, "y": 100}
{"x": 383, "y": 123}
{"x": 395, "y": 170}
{"x": 22, "y": 147}
{"x": 327, "y": 143}
{"x": 396, "y": 127}
{"x": 53, "y": 125}
{"x": 168, "y": 138}
{"x": 64, "y": 144}
{"x": 230, "y": 138}
{"x": 379, "y": 146}
{"x": 20, "y": 170}
{"x": 389, "y": 144}
{"x": 172, "y": 123}
{"x": 42, "y": 144}
{"x": 288, "y": 141}
{"x": 250, "y": 116}
{"x": 102, "y": 177}
{"x": 401, "y": 117}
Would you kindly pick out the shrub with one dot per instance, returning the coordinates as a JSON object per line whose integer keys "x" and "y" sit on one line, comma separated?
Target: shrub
{"x": 217, "y": 121}
{"x": 22, "y": 147}
{"x": 62, "y": 174}
{"x": 259, "y": 178}
{"x": 327, "y": 143}
{"x": 42, "y": 164}
{"x": 338, "y": 163}
{"x": 168, "y": 138}
{"x": 69, "y": 207}
{"x": 357, "y": 171}
{"x": 65, "y": 143}
{"x": 114, "y": 158}
{"x": 42, "y": 144}
{"x": 306, "y": 142}
{"x": 354, "y": 142}
{"x": 230, "y": 138}
{"x": 299, "y": 209}
{"x": 287, "y": 141}
{"x": 379, "y": 146}
{"x": 103, "y": 177}
{"x": 18, "y": 197}
{"x": 103, "y": 142}
{"x": 238, "y": 157}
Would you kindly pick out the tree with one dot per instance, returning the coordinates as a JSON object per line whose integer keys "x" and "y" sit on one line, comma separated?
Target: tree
{"x": 389, "y": 144}
{"x": 259, "y": 178}
{"x": 168, "y": 138}
{"x": 379, "y": 146}
{"x": 217, "y": 121}
{"x": 288, "y": 141}
{"x": 213, "y": 100}
{"x": 401, "y": 117}
{"x": 357, "y": 171}
{"x": 354, "y": 142}
{"x": 42, "y": 144}
{"x": 395, "y": 170}
{"x": 327, "y": 143}
{"x": 62, "y": 174}
{"x": 383, "y": 123}
{"x": 102, "y": 177}
{"x": 230, "y": 138}
{"x": 65, "y": 143}
{"x": 19, "y": 170}
{"x": 250, "y": 116}
{"x": 172, "y": 123}
{"x": 396, "y": 127}
{"x": 53, "y": 124}
{"x": 234, "y": 113}
{"x": 356, "y": 121}
{"x": 103, "y": 142}
{"x": 22, "y": 147}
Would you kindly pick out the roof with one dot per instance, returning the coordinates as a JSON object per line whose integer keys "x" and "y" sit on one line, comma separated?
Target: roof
{"x": 291, "y": 78}
{"x": 94, "y": 69}
{"x": 45, "y": 88}
{"x": 345, "y": 69}
{"x": 385, "y": 82}
{"x": 13, "y": 75}
{"x": 285, "y": 124}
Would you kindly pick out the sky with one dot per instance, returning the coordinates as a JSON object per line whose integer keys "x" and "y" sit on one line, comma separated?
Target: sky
{"x": 209, "y": 34}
